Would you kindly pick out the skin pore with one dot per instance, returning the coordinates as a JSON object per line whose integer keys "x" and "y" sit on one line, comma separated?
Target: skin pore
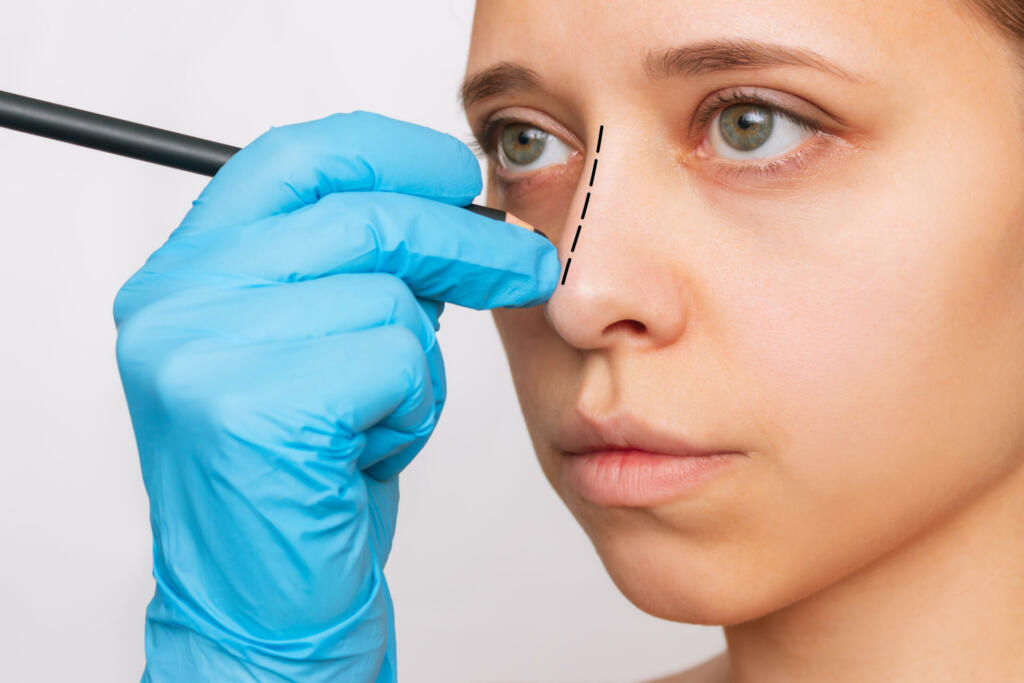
{"x": 850, "y": 316}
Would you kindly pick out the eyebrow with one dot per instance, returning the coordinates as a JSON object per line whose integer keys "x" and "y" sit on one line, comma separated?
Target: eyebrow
{"x": 696, "y": 59}
{"x": 501, "y": 78}
{"x": 692, "y": 59}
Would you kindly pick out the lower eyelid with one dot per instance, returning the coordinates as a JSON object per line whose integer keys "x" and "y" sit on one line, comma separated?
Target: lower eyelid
{"x": 526, "y": 181}
{"x": 572, "y": 156}
{"x": 815, "y": 150}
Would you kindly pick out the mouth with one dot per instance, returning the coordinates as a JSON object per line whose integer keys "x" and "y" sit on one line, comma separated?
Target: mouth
{"x": 620, "y": 460}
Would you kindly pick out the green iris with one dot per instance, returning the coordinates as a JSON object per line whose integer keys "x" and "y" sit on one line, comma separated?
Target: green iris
{"x": 745, "y": 126}
{"x": 522, "y": 143}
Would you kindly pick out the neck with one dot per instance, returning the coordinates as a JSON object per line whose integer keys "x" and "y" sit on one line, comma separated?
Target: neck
{"x": 946, "y": 606}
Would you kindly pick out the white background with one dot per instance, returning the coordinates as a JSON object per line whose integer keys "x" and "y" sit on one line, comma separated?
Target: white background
{"x": 492, "y": 579}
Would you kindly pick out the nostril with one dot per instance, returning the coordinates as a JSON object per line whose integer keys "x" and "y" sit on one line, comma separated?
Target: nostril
{"x": 633, "y": 326}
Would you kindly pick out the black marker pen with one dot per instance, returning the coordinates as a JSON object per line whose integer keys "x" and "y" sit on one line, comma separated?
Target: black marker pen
{"x": 138, "y": 141}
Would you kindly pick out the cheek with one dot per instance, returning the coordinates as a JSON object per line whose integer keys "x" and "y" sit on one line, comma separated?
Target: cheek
{"x": 880, "y": 365}
{"x": 880, "y": 345}
{"x": 892, "y": 338}
{"x": 544, "y": 371}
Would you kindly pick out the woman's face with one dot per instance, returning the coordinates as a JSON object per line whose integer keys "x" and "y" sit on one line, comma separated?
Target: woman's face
{"x": 841, "y": 301}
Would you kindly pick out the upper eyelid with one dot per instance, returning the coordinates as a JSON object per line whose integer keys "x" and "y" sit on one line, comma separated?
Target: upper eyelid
{"x": 722, "y": 99}
{"x": 488, "y": 134}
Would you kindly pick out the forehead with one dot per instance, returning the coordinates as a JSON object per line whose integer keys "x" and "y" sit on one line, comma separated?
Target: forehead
{"x": 590, "y": 43}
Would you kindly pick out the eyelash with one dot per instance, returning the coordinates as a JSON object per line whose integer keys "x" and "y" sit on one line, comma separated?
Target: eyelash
{"x": 487, "y": 143}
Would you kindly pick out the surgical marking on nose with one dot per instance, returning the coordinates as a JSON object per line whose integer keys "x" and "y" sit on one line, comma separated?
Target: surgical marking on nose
{"x": 586, "y": 202}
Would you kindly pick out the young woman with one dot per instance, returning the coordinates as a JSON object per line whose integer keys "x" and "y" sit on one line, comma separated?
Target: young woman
{"x": 770, "y": 353}
{"x": 804, "y": 245}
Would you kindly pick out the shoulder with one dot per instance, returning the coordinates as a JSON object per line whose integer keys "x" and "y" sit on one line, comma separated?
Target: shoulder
{"x": 714, "y": 670}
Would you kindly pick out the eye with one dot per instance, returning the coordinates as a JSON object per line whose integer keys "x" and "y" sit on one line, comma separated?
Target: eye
{"x": 754, "y": 131}
{"x": 522, "y": 147}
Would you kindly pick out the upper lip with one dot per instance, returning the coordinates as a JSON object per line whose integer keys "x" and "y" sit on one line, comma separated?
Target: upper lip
{"x": 582, "y": 432}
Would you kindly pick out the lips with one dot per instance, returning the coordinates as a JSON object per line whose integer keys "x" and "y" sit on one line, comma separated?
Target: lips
{"x": 582, "y": 432}
{"x": 619, "y": 460}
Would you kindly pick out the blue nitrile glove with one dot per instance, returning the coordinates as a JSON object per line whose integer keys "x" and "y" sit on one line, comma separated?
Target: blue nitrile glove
{"x": 280, "y": 365}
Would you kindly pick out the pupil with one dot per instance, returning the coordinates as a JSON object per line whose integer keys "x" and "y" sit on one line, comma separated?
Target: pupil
{"x": 523, "y": 139}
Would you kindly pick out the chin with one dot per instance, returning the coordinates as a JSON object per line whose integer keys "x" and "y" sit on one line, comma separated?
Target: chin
{"x": 676, "y": 581}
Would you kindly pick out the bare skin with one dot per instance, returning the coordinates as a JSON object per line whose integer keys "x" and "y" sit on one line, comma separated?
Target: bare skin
{"x": 852, "y": 323}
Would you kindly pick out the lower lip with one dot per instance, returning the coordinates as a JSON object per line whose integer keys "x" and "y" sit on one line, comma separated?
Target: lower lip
{"x": 640, "y": 478}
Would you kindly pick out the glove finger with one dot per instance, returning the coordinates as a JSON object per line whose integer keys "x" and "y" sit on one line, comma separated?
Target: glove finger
{"x": 268, "y": 314}
{"x": 441, "y": 252}
{"x": 281, "y": 312}
{"x": 314, "y": 396}
{"x": 291, "y": 166}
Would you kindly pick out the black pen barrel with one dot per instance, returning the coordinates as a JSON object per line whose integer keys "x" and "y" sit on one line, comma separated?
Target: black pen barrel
{"x": 129, "y": 139}
{"x": 108, "y": 134}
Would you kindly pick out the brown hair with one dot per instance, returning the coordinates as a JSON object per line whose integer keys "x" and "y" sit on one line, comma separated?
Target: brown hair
{"x": 1008, "y": 18}
{"x": 1007, "y": 14}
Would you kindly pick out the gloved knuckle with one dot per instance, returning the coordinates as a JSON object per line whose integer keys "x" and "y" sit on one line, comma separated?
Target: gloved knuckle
{"x": 122, "y": 307}
{"x": 273, "y": 136}
{"x": 218, "y": 409}
{"x": 350, "y": 118}
{"x": 405, "y": 308}
{"x": 134, "y": 294}
{"x": 283, "y": 144}
{"x": 172, "y": 376}
{"x": 131, "y": 341}
{"x": 389, "y": 285}
{"x": 358, "y": 122}
{"x": 395, "y": 291}
{"x": 401, "y": 342}
{"x": 138, "y": 331}
{"x": 224, "y": 413}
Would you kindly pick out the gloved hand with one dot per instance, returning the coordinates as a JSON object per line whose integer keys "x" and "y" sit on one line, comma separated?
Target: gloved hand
{"x": 280, "y": 365}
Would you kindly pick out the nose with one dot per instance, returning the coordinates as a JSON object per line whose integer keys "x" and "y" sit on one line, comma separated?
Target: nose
{"x": 618, "y": 286}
